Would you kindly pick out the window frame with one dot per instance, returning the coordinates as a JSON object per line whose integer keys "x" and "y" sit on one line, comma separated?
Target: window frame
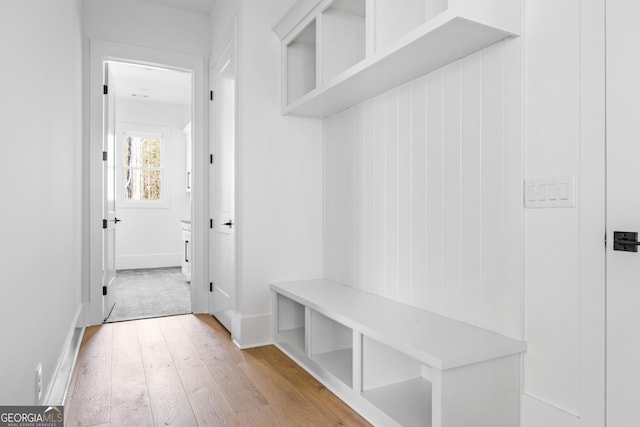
{"x": 137, "y": 130}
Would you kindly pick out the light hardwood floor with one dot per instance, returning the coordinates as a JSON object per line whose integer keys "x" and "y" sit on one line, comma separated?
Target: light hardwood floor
{"x": 185, "y": 371}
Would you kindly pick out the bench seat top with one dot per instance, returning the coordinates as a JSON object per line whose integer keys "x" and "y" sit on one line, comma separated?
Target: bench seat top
{"x": 437, "y": 341}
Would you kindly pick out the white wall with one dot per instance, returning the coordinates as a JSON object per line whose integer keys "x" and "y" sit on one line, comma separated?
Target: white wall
{"x": 148, "y": 25}
{"x": 279, "y": 211}
{"x": 423, "y": 193}
{"x": 41, "y": 187}
{"x": 151, "y": 237}
{"x": 564, "y": 263}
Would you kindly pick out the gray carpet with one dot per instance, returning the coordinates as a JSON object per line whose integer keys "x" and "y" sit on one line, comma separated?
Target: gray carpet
{"x": 157, "y": 292}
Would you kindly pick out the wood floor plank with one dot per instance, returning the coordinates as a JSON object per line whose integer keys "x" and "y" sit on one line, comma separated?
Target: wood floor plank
{"x": 288, "y": 403}
{"x": 205, "y": 396}
{"x": 169, "y": 402}
{"x": 322, "y": 398}
{"x": 91, "y": 403}
{"x": 260, "y": 416}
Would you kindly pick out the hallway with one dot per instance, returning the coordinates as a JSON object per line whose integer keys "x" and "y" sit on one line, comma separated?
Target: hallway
{"x": 185, "y": 371}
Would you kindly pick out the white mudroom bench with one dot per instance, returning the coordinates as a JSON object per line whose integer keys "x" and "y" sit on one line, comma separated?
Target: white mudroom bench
{"x": 396, "y": 364}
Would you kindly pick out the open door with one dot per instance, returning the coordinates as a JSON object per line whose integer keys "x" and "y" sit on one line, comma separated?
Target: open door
{"x": 222, "y": 184}
{"x": 109, "y": 196}
{"x": 623, "y": 214}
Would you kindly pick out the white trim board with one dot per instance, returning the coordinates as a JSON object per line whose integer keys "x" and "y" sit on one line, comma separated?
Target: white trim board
{"x": 56, "y": 393}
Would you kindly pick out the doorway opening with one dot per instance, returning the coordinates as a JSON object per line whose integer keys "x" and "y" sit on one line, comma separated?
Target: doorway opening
{"x": 148, "y": 115}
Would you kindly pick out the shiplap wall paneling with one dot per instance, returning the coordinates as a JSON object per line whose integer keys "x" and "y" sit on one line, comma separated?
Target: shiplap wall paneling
{"x": 392, "y": 190}
{"x": 405, "y": 151}
{"x": 434, "y": 206}
{"x": 471, "y": 188}
{"x": 493, "y": 265}
{"x": 452, "y": 191}
{"x": 418, "y": 236}
{"x": 433, "y": 185}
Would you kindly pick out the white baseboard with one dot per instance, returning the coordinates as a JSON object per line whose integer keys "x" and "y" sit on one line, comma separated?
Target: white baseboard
{"x": 253, "y": 331}
{"x": 129, "y": 262}
{"x": 56, "y": 393}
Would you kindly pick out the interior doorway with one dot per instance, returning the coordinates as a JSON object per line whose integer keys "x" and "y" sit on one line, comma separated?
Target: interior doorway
{"x": 147, "y": 182}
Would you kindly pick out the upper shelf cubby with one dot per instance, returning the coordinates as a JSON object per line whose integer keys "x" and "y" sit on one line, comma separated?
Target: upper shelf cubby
{"x": 301, "y": 63}
{"x": 343, "y": 37}
{"x": 362, "y": 48}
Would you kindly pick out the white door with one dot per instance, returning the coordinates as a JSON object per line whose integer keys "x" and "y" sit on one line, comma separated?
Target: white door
{"x": 623, "y": 213}
{"x": 222, "y": 185}
{"x": 109, "y": 197}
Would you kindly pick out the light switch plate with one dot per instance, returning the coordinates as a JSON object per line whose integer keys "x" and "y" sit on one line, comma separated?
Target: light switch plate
{"x": 554, "y": 192}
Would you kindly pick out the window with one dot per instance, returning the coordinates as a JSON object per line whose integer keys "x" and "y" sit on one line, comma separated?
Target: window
{"x": 141, "y": 172}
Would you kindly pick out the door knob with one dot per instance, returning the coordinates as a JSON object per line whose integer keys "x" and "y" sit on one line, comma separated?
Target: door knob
{"x": 229, "y": 223}
{"x": 626, "y": 241}
{"x": 116, "y": 220}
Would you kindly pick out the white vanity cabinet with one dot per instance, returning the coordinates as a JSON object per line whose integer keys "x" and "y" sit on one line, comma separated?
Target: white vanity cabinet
{"x": 337, "y": 53}
{"x": 189, "y": 160}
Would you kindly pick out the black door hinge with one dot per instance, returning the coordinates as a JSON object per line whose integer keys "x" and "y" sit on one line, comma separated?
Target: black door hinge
{"x": 210, "y": 95}
{"x": 211, "y": 158}
{"x": 104, "y": 290}
{"x": 105, "y": 156}
{"x": 210, "y": 286}
{"x": 104, "y": 223}
{"x": 105, "y": 89}
{"x": 211, "y": 223}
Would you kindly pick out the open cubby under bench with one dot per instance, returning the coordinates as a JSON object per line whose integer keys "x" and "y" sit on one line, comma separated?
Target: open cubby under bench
{"x": 396, "y": 364}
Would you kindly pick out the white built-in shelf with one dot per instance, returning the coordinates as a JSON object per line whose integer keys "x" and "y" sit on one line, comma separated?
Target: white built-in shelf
{"x": 290, "y": 324}
{"x": 365, "y": 47}
{"x": 407, "y": 402}
{"x": 339, "y": 363}
{"x": 294, "y": 337}
{"x": 331, "y": 345}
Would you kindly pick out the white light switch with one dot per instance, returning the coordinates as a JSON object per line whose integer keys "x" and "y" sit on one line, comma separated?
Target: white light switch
{"x": 554, "y": 192}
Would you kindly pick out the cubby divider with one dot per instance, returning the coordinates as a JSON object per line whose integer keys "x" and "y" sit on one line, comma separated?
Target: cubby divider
{"x": 332, "y": 347}
{"x": 290, "y": 326}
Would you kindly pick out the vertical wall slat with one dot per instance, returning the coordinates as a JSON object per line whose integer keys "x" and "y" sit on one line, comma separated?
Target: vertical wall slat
{"x": 358, "y": 213}
{"x": 471, "y": 187}
{"x": 435, "y": 181}
{"x": 392, "y": 194}
{"x": 513, "y": 196}
{"x": 404, "y": 193}
{"x": 451, "y": 239}
{"x": 418, "y": 196}
{"x": 380, "y": 197}
{"x": 492, "y": 187}
{"x": 369, "y": 196}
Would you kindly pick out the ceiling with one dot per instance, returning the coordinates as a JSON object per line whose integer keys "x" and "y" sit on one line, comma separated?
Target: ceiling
{"x": 203, "y": 7}
{"x": 150, "y": 84}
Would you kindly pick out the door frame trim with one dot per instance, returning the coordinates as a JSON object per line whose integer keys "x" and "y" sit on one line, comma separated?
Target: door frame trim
{"x": 100, "y": 51}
